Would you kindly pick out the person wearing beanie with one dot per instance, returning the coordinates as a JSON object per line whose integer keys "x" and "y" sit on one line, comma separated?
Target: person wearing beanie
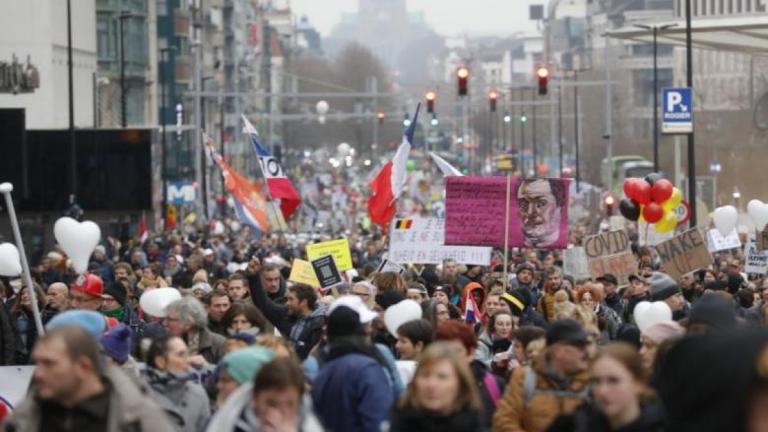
{"x": 529, "y": 316}
{"x": 239, "y": 367}
{"x": 117, "y": 345}
{"x": 352, "y": 390}
{"x": 115, "y": 305}
{"x": 524, "y": 279}
{"x": 664, "y": 288}
{"x": 713, "y": 312}
{"x": 92, "y": 322}
{"x": 655, "y": 335}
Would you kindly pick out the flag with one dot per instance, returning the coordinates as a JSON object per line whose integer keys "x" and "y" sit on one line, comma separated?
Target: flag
{"x": 280, "y": 186}
{"x": 471, "y": 311}
{"x": 143, "y": 233}
{"x": 387, "y": 185}
{"x": 170, "y": 217}
{"x": 445, "y": 167}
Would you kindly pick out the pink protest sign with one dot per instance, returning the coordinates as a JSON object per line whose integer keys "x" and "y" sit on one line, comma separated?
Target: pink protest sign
{"x": 538, "y": 212}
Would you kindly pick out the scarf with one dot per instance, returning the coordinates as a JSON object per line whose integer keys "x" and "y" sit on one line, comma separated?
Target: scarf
{"x": 117, "y": 314}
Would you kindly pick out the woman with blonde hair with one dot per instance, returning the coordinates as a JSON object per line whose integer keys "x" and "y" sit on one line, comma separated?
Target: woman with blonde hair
{"x": 389, "y": 282}
{"x": 442, "y": 396}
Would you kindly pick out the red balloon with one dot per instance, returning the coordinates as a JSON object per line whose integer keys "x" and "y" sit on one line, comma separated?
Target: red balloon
{"x": 642, "y": 192}
{"x": 653, "y": 212}
{"x": 662, "y": 190}
{"x": 629, "y": 185}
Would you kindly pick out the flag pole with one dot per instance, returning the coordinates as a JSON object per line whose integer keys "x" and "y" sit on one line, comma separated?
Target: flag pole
{"x": 506, "y": 232}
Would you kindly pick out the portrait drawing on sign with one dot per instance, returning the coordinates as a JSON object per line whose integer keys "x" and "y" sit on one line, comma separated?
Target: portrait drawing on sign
{"x": 540, "y": 206}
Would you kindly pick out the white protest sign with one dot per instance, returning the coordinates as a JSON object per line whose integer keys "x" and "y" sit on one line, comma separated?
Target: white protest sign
{"x": 421, "y": 240}
{"x": 755, "y": 261}
{"x": 388, "y": 266}
{"x": 716, "y": 241}
{"x": 575, "y": 263}
{"x": 648, "y": 236}
{"x": 14, "y": 383}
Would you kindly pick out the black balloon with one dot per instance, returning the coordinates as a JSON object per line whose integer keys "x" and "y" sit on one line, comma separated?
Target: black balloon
{"x": 629, "y": 209}
{"x": 652, "y": 177}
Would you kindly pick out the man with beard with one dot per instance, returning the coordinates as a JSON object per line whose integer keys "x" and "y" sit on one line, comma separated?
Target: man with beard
{"x": 539, "y": 204}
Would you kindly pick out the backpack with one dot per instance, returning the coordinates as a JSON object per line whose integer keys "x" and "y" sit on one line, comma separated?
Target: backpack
{"x": 492, "y": 387}
{"x": 529, "y": 389}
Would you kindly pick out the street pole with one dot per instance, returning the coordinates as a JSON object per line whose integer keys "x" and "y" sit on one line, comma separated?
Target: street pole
{"x": 576, "y": 127}
{"x": 70, "y": 89}
{"x": 375, "y": 108}
{"x": 123, "y": 103}
{"x": 607, "y": 135}
{"x": 655, "y": 102}
{"x": 533, "y": 133}
{"x": 198, "y": 76}
{"x": 560, "y": 123}
{"x": 691, "y": 149}
{"x": 163, "y": 112}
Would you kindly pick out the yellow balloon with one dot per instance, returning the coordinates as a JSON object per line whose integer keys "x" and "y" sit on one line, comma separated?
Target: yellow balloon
{"x": 674, "y": 200}
{"x": 667, "y": 223}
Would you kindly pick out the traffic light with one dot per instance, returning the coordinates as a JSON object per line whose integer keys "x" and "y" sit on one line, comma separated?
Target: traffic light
{"x": 523, "y": 118}
{"x": 492, "y": 96}
{"x": 430, "y": 96}
{"x": 610, "y": 202}
{"x": 380, "y": 116}
{"x": 462, "y": 74}
{"x": 434, "y": 121}
{"x": 542, "y": 73}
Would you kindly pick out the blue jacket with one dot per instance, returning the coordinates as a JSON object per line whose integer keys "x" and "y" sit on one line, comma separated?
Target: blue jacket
{"x": 352, "y": 393}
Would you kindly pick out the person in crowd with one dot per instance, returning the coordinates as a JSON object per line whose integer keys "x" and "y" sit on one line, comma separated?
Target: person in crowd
{"x": 352, "y": 391}
{"x": 389, "y": 282}
{"x": 238, "y": 368}
{"x": 608, "y": 320}
{"x": 653, "y": 336}
{"x": 124, "y": 271}
{"x": 58, "y": 296}
{"x": 237, "y": 288}
{"x": 664, "y": 288}
{"x": 86, "y": 292}
{"x": 270, "y": 282}
{"x": 186, "y": 319}
{"x": 301, "y": 319}
{"x": 478, "y": 295}
{"x": 496, "y": 339}
{"x": 280, "y": 346}
{"x": 622, "y": 400}
{"x": 552, "y": 284}
{"x": 103, "y": 266}
{"x": 218, "y": 303}
{"x": 490, "y": 387}
{"x": 173, "y": 270}
{"x": 611, "y": 296}
{"x": 245, "y": 318}
{"x": 183, "y": 400}
{"x": 417, "y": 292}
{"x": 366, "y": 291}
{"x": 522, "y": 338}
{"x": 442, "y": 294}
{"x": 23, "y": 330}
{"x": 117, "y": 343}
{"x": 152, "y": 277}
{"x": 555, "y": 383}
{"x": 450, "y": 270}
{"x": 213, "y": 267}
{"x": 443, "y": 395}
{"x": 7, "y": 338}
{"x": 73, "y": 387}
{"x": 713, "y": 312}
{"x": 524, "y": 279}
{"x": 114, "y": 305}
{"x": 413, "y": 337}
{"x": 185, "y": 279}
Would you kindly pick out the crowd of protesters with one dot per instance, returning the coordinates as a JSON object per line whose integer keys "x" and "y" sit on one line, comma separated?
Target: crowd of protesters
{"x": 245, "y": 349}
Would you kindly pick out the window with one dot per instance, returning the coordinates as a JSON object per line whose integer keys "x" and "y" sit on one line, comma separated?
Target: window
{"x": 738, "y": 6}
{"x": 104, "y": 48}
{"x": 162, "y": 7}
{"x": 730, "y": 6}
{"x": 695, "y": 8}
{"x": 721, "y": 9}
{"x": 748, "y": 5}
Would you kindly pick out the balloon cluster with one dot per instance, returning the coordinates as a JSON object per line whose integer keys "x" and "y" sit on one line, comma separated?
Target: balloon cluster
{"x": 653, "y": 200}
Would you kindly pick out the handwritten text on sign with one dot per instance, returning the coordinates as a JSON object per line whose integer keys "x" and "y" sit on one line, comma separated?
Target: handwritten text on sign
{"x": 683, "y": 254}
{"x": 338, "y": 248}
{"x": 755, "y": 260}
{"x": 421, "y": 241}
{"x": 475, "y": 212}
{"x": 610, "y": 253}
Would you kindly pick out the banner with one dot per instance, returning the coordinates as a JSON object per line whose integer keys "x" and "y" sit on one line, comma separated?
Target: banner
{"x": 475, "y": 212}
{"x": 683, "y": 254}
{"x": 755, "y": 260}
{"x": 338, "y": 248}
{"x": 575, "y": 263}
{"x": 610, "y": 252}
{"x": 303, "y": 272}
{"x": 716, "y": 242}
{"x": 420, "y": 241}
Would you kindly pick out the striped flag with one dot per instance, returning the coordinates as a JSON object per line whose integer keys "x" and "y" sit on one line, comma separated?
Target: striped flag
{"x": 471, "y": 312}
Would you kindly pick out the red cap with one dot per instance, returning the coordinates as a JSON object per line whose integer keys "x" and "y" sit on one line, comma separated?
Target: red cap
{"x": 89, "y": 284}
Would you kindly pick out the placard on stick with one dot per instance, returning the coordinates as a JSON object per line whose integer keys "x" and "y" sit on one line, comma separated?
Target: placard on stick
{"x": 575, "y": 263}
{"x": 303, "y": 272}
{"x": 755, "y": 260}
{"x": 338, "y": 248}
{"x": 326, "y": 271}
{"x": 762, "y": 240}
{"x": 684, "y": 253}
{"x": 610, "y": 253}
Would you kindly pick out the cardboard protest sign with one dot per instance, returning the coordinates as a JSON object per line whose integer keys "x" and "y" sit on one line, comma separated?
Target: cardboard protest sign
{"x": 388, "y": 266}
{"x": 475, "y": 212}
{"x": 716, "y": 242}
{"x": 762, "y": 240}
{"x": 683, "y": 254}
{"x": 326, "y": 271}
{"x": 420, "y": 240}
{"x": 338, "y": 248}
{"x": 755, "y": 260}
{"x": 610, "y": 252}
{"x": 575, "y": 263}
{"x": 302, "y": 272}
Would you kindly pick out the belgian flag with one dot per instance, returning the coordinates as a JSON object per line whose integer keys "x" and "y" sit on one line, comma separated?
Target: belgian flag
{"x": 403, "y": 223}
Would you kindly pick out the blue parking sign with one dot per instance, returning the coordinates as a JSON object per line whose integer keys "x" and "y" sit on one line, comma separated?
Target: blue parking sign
{"x": 677, "y": 110}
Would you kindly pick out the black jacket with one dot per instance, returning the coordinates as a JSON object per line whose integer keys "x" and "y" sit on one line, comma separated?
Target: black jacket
{"x": 7, "y": 339}
{"x": 408, "y": 419}
{"x": 479, "y": 371}
{"x": 589, "y": 418}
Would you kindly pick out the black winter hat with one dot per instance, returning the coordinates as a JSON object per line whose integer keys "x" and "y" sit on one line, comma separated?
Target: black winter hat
{"x": 514, "y": 301}
{"x": 566, "y": 330}
{"x": 116, "y": 290}
{"x": 713, "y": 311}
{"x": 344, "y": 321}
{"x": 663, "y": 286}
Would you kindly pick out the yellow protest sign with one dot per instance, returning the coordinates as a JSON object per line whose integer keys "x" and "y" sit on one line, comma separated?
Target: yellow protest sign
{"x": 302, "y": 272}
{"x": 338, "y": 248}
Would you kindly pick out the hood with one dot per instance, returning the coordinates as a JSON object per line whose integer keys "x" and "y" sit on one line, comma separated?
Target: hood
{"x": 473, "y": 286}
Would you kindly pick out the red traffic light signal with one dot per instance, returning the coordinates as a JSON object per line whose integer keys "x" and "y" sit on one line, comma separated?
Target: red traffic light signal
{"x": 380, "y": 116}
{"x": 492, "y": 97}
{"x": 610, "y": 202}
{"x": 542, "y": 73}
{"x": 430, "y": 96}
{"x": 462, "y": 74}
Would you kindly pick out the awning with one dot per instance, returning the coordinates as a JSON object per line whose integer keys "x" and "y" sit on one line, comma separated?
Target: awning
{"x": 742, "y": 34}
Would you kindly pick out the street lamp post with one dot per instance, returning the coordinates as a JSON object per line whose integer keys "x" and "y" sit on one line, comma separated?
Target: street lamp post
{"x": 691, "y": 149}
{"x": 655, "y": 30}
{"x": 70, "y": 89}
{"x": 163, "y": 169}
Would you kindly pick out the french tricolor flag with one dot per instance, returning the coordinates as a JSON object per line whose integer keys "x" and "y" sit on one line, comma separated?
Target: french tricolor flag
{"x": 280, "y": 186}
{"x": 389, "y": 183}
{"x": 471, "y": 312}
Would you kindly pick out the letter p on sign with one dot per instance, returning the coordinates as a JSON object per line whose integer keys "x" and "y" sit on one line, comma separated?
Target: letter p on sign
{"x": 673, "y": 99}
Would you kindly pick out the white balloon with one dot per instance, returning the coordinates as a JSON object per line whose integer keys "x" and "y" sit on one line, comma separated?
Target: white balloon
{"x": 10, "y": 263}
{"x": 155, "y": 301}
{"x": 758, "y": 211}
{"x": 235, "y": 226}
{"x": 647, "y": 314}
{"x": 218, "y": 228}
{"x": 78, "y": 240}
{"x": 725, "y": 218}
{"x": 400, "y": 313}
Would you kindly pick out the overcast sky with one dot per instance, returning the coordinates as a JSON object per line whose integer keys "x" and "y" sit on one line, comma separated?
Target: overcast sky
{"x": 447, "y": 17}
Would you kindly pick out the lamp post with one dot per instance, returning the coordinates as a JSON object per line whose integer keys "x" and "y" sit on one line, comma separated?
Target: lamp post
{"x": 655, "y": 30}
{"x": 163, "y": 109}
{"x": 689, "y": 82}
{"x": 70, "y": 90}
